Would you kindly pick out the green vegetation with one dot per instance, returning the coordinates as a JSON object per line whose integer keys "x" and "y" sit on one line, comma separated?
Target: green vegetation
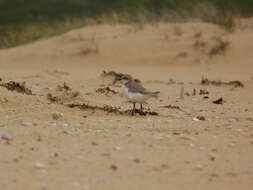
{"x": 22, "y": 21}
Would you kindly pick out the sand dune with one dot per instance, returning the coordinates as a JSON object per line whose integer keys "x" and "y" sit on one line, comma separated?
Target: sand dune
{"x": 47, "y": 144}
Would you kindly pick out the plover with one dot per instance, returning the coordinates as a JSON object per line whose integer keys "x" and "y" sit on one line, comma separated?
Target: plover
{"x": 133, "y": 90}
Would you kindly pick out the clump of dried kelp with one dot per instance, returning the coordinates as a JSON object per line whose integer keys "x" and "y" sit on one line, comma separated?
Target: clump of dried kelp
{"x": 235, "y": 83}
{"x": 110, "y": 109}
{"x": 17, "y": 87}
{"x": 106, "y": 90}
{"x": 63, "y": 94}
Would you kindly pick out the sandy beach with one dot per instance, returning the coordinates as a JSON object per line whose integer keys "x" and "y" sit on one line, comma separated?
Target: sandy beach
{"x": 49, "y": 140}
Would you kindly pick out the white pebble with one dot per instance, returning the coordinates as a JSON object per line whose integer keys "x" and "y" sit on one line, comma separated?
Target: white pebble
{"x": 28, "y": 124}
{"x": 39, "y": 165}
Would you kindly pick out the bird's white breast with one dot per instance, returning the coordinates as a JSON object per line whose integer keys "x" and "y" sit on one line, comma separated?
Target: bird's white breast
{"x": 134, "y": 96}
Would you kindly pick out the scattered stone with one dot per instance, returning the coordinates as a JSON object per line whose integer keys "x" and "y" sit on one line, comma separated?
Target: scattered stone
{"x": 66, "y": 124}
{"x": 199, "y": 167}
{"x": 201, "y": 118}
{"x": 212, "y": 156}
{"x": 219, "y": 101}
{"x": 184, "y": 137}
{"x": 39, "y": 165}
{"x": 114, "y": 167}
{"x": 195, "y": 119}
{"x": 231, "y": 119}
{"x": 55, "y": 155}
{"x": 116, "y": 148}
{"x": 6, "y": 138}
{"x": 94, "y": 144}
{"x": 28, "y": 124}
{"x": 57, "y": 115}
{"x": 137, "y": 160}
{"x": 183, "y": 113}
{"x": 192, "y": 145}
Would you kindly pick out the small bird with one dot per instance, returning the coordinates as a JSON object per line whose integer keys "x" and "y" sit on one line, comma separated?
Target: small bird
{"x": 133, "y": 90}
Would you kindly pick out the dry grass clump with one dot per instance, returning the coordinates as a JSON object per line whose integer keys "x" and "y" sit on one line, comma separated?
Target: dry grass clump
{"x": 17, "y": 87}
{"x": 220, "y": 46}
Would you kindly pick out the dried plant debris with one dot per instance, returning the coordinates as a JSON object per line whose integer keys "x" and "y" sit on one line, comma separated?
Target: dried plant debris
{"x": 17, "y": 87}
{"x": 106, "y": 90}
{"x": 197, "y": 35}
{"x": 219, "y": 47}
{"x": 53, "y": 98}
{"x": 113, "y": 74}
{"x": 65, "y": 87}
{"x": 236, "y": 83}
{"x": 203, "y": 92}
{"x": 172, "y": 107}
{"x": 110, "y": 109}
{"x": 65, "y": 96}
{"x": 219, "y": 101}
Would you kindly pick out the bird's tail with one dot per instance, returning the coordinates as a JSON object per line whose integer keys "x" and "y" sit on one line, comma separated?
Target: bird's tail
{"x": 155, "y": 94}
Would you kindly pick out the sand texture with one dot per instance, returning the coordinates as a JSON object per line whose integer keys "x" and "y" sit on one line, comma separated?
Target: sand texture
{"x": 64, "y": 125}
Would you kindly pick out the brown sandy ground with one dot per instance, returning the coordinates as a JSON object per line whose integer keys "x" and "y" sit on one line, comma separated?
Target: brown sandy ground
{"x": 48, "y": 145}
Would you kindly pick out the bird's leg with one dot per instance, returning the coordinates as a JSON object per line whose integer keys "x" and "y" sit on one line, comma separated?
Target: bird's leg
{"x": 133, "y": 108}
{"x": 141, "y": 107}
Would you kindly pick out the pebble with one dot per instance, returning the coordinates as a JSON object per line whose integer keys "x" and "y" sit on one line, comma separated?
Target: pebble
{"x": 28, "y": 124}
{"x": 192, "y": 145}
{"x": 231, "y": 119}
{"x": 66, "y": 124}
{"x": 6, "y": 137}
{"x": 39, "y": 165}
{"x": 59, "y": 124}
{"x": 199, "y": 167}
{"x": 137, "y": 160}
{"x": 57, "y": 115}
{"x": 183, "y": 113}
{"x": 114, "y": 167}
{"x": 55, "y": 155}
{"x": 184, "y": 137}
{"x": 116, "y": 148}
{"x": 212, "y": 156}
{"x": 199, "y": 118}
{"x": 195, "y": 119}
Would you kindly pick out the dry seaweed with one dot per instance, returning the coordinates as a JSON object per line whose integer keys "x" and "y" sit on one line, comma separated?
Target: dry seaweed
{"x": 65, "y": 87}
{"x": 219, "y": 101}
{"x": 17, "y": 87}
{"x": 53, "y": 98}
{"x": 219, "y": 47}
{"x": 63, "y": 97}
{"x": 110, "y": 109}
{"x": 106, "y": 90}
{"x": 172, "y": 107}
{"x": 203, "y": 92}
{"x": 236, "y": 83}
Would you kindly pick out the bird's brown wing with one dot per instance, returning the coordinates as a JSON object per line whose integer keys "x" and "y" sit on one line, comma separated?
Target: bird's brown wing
{"x": 136, "y": 86}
